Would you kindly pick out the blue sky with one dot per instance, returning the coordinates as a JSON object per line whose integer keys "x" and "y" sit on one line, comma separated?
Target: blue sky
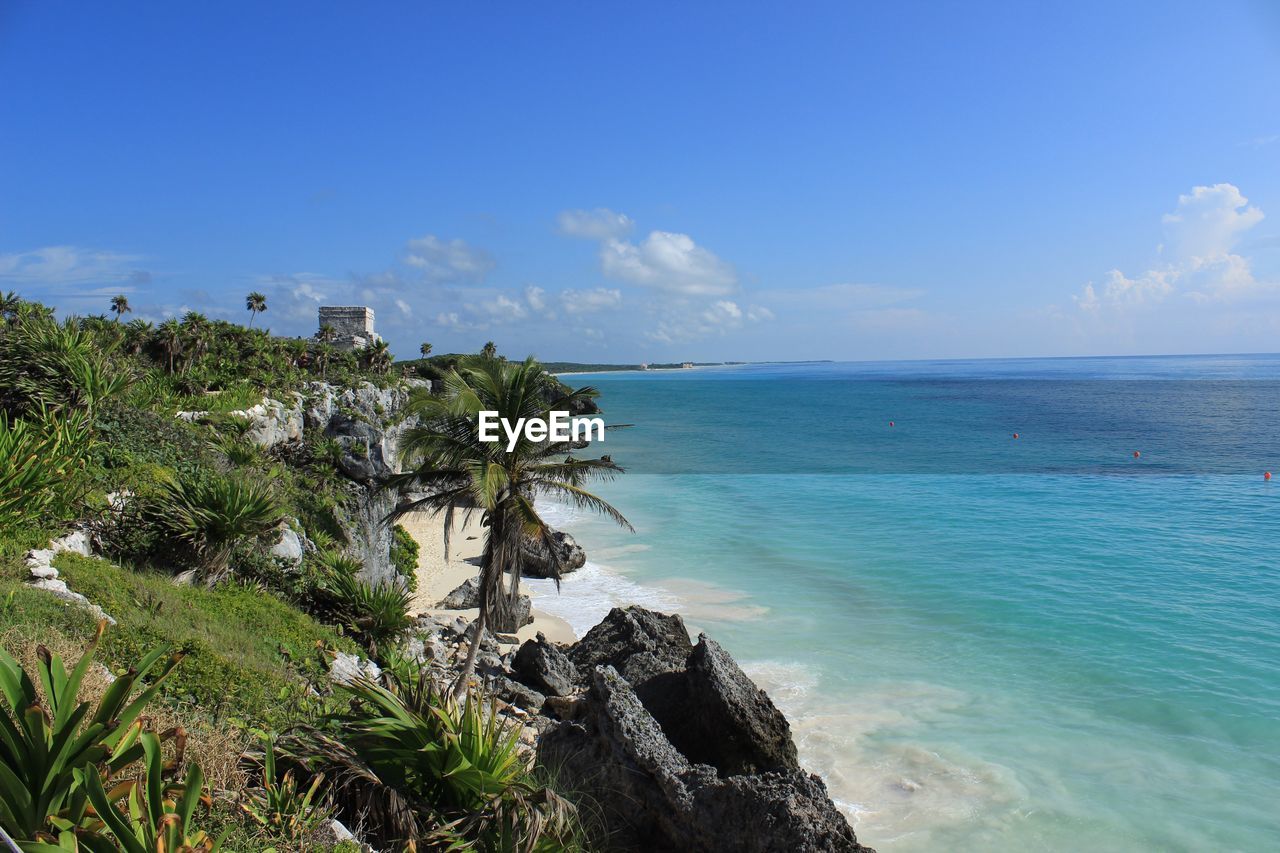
{"x": 660, "y": 181}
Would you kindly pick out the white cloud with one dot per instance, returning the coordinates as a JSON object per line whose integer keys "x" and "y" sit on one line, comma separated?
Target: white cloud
{"x": 590, "y": 301}
{"x": 599, "y": 224}
{"x": 1201, "y": 236}
{"x": 536, "y": 297}
{"x": 69, "y": 265}
{"x": 404, "y": 307}
{"x": 504, "y": 309}
{"x": 670, "y": 262}
{"x": 759, "y": 314}
{"x": 447, "y": 260}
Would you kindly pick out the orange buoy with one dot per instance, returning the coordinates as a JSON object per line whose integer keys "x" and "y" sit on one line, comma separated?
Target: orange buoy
{"x": 1266, "y": 475}
{"x": 1015, "y": 435}
{"x": 1136, "y": 454}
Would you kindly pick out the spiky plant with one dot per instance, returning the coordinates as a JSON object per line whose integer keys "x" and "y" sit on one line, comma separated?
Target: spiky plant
{"x": 447, "y": 460}
{"x": 212, "y": 514}
{"x": 281, "y": 803}
{"x": 376, "y": 615}
{"x": 158, "y": 816}
{"x": 45, "y": 740}
{"x": 423, "y": 769}
{"x": 41, "y": 460}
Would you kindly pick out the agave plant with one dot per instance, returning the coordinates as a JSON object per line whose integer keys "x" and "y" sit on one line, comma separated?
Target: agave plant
{"x": 425, "y": 770}
{"x": 374, "y": 614}
{"x": 160, "y": 816}
{"x": 212, "y": 514}
{"x": 45, "y": 741}
{"x": 281, "y": 804}
{"x": 39, "y": 461}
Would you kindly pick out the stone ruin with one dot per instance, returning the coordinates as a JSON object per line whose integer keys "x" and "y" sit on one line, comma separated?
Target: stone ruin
{"x": 352, "y": 326}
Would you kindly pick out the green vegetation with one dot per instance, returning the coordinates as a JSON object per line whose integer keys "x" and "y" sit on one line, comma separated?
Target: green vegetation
{"x": 433, "y": 773}
{"x": 461, "y": 472}
{"x": 144, "y": 744}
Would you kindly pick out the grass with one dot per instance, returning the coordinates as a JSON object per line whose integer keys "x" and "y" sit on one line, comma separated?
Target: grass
{"x": 249, "y": 654}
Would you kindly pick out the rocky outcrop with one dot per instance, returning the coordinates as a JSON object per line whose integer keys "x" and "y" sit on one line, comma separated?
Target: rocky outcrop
{"x": 653, "y": 798}
{"x": 289, "y": 547}
{"x": 43, "y": 576}
{"x": 273, "y": 423}
{"x": 542, "y": 666}
{"x": 562, "y": 556}
{"x": 717, "y": 716}
{"x": 464, "y": 597}
{"x": 638, "y": 643}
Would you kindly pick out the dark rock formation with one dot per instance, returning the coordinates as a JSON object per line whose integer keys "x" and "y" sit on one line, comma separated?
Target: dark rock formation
{"x": 654, "y": 799}
{"x": 564, "y": 555}
{"x": 638, "y": 643}
{"x": 719, "y": 717}
{"x": 544, "y": 667}
{"x": 465, "y": 596}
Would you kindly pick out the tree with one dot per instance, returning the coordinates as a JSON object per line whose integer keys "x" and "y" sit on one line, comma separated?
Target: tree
{"x": 169, "y": 336}
{"x": 446, "y": 459}
{"x": 256, "y": 303}
{"x": 489, "y": 350}
{"x": 120, "y": 305}
{"x": 377, "y": 356}
{"x": 425, "y": 349}
{"x": 197, "y": 330}
{"x": 325, "y": 336}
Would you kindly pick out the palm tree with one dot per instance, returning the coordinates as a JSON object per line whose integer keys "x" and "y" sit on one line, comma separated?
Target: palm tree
{"x": 256, "y": 303}
{"x": 446, "y": 459}
{"x": 489, "y": 350}
{"x": 325, "y": 336}
{"x": 197, "y": 329}
{"x": 10, "y": 302}
{"x": 169, "y": 335}
{"x": 120, "y": 305}
{"x": 136, "y": 335}
{"x": 425, "y": 349}
{"x": 377, "y": 356}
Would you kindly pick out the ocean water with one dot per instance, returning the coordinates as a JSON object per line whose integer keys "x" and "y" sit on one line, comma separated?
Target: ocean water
{"x": 982, "y": 642}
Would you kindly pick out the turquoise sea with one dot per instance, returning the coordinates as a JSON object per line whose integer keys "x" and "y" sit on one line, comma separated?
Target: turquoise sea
{"x": 982, "y": 642}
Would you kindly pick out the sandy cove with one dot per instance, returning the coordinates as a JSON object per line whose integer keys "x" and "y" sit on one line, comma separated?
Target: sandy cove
{"x": 438, "y": 576}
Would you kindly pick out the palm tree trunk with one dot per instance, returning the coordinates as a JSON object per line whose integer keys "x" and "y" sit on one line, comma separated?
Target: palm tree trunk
{"x": 469, "y": 665}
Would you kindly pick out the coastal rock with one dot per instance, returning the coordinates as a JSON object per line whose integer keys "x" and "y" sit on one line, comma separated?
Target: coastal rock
{"x": 561, "y": 556}
{"x": 719, "y": 717}
{"x": 463, "y": 597}
{"x": 652, "y": 798}
{"x": 640, "y": 644}
{"x": 347, "y": 668}
{"x": 75, "y": 542}
{"x": 513, "y": 692}
{"x": 272, "y": 423}
{"x": 289, "y": 548}
{"x": 543, "y": 666}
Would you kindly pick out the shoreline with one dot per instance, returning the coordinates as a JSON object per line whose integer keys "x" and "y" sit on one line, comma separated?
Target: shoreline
{"x": 438, "y": 575}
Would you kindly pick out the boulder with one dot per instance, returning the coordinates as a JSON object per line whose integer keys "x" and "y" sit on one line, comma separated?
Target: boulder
{"x": 273, "y": 423}
{"x": 347, "y": 668}
{"x": 543, "y": 666}
{"x": 640, "y": 644}
{"x": 513, "y": 692}
{"x": 289, "y": 548}
{"x": 464, "y": 597}
{"x": 719, "y": 717}
{"x": 652, "y": 797}
{"x": 562, "y": 556}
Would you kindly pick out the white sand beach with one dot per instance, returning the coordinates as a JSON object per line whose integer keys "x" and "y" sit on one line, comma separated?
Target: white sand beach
{"x": 438, "y": 576}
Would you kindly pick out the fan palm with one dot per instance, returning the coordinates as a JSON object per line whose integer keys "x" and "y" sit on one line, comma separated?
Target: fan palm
{"x": 120, "y": 305}
{"x": 489, "y": 350}
{"x": 378, "y": 356}
{"x": 256, "y": 303}
{"x": 169, "y": 336}
{"x": 425, "y": 349}
{"x": 448, "y": 461}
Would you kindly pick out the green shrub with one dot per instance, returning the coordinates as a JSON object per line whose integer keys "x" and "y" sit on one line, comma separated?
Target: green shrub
{"x": 213, "y": 513}
{"x": 41, "y": 467}
{"x": 280, "y": 804}
{"x": 404, "y": 556}
{"x": 375, "y": 615}
{"x": 420, "y": 769}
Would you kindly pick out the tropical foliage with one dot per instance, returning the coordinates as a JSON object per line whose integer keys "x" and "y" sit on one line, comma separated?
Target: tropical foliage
{"x": 374, "y": 614}
{"x": 422, "y": 769}
{"x": 447, "y": 460}
{"x": 281, "y": 803}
